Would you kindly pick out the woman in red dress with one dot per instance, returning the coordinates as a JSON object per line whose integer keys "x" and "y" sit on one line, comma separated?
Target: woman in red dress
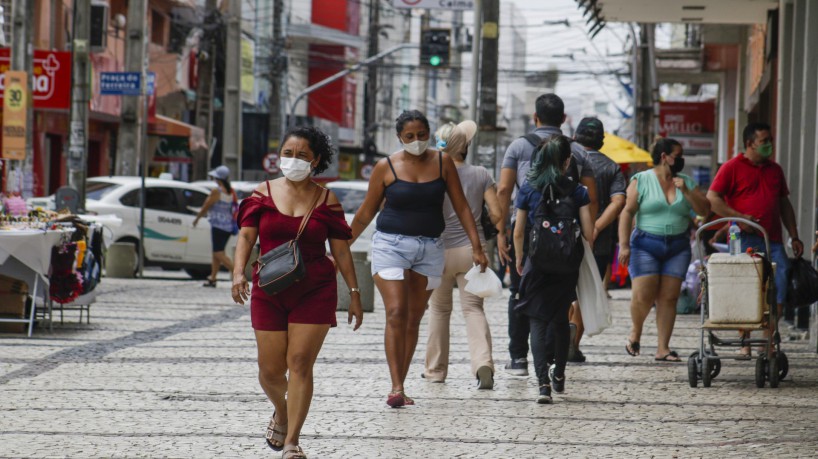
{"x": 290, "y": 326}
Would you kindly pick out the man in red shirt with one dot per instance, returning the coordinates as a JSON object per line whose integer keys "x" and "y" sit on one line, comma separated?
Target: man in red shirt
{"x": 752, "y": 186}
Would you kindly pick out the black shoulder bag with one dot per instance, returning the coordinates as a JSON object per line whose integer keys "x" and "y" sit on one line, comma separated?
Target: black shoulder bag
{"x": 282, "y": 266}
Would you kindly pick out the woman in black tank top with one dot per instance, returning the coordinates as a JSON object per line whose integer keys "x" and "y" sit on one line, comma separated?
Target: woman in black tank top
{"x": 407, "y": 255}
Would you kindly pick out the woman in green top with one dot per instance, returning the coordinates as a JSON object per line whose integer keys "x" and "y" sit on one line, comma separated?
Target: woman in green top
{"x": 657, "y": 252}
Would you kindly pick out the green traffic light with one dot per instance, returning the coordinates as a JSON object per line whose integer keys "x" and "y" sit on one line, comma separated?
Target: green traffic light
{"x": 434, "y": 61}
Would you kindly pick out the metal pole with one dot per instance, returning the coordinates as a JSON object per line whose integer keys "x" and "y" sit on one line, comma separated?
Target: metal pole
{"x": 21, "y": 60}
{"x": 477, "y": 36}
{"x": 342, "y": 74}
{"x": 231, "y": 133}
{"x": 129, "y": 139}
{"x": 143, "y": 171}
{"x": 80, "y": 95}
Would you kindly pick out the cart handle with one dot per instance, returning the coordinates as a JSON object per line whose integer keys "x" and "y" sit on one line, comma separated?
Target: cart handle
{"x": 745, "y": 221}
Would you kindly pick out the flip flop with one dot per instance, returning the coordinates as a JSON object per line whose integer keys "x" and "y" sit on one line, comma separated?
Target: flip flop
{"x": 671, "y": 356}
{"x": 632, "y": 348}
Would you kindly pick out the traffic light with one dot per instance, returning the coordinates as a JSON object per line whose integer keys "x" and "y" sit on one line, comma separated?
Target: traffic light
{"x": 434, "y": 47}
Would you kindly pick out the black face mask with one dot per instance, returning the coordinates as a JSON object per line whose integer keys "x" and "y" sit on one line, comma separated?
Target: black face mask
{"x": 677, "y": 166}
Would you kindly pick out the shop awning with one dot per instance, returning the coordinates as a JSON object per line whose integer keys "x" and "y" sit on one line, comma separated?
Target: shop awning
{"x": 168, "y": 127}
{"x": 623, "y": 151}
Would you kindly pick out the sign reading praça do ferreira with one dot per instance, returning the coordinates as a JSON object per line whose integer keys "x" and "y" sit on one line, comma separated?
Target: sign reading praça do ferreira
{"x": 451, "y": 5}
{"x": 15, "y": 123}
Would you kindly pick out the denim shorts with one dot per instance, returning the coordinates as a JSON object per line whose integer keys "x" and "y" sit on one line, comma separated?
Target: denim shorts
{"x": 659, "y": 255}
{"x": 778, "y": 256}
{"x": 423, "y": 255}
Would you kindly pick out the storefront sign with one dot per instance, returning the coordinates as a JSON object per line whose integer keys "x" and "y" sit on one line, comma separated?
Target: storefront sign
{"x": 172, "y": 149}
{"x": 693, "y": 124}
{"x": 51, "y": 81}
{"x": 15, "y": 100}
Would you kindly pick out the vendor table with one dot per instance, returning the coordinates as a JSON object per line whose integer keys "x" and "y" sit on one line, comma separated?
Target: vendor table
{"x": 26, "y": 255}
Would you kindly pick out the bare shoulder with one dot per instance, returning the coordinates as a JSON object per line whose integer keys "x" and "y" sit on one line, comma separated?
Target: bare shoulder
{"x": 262, "y": 187}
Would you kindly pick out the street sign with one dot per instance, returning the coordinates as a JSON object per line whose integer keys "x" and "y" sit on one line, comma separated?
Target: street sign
{"x": 451, "y": 5}
{"x": 270, "y": 163}
{"x": 151, "y": 83}
{"x": 366, "y": 171}
{"x": 120, "y": 83}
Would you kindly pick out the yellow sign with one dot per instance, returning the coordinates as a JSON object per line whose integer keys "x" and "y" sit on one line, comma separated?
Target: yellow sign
{"x": 15, "y": 101}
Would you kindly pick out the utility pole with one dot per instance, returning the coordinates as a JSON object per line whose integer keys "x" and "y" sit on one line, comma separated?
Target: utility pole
{"x": 488, "y": 83}
{"x": 231, "y": 147}
{"x": 204, "y": 90}
{"x": 645, "y": 90}
{"x": 475, "y": 75}
{"x": 130, "y": 141}
{"x": 80, "y": 95}
{"x": 424, "y": 93}
{"x": 278, "y": 73}
{"x": 22, "y": 60}
{"x": 371, "y": 88}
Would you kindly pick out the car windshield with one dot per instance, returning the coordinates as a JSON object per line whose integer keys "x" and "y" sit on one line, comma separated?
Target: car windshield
{"x": 98, "y": 190}
{"x": 350, "y": 199}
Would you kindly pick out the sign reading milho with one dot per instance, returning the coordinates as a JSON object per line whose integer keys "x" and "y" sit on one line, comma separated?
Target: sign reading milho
{"x": 693, "y": 124}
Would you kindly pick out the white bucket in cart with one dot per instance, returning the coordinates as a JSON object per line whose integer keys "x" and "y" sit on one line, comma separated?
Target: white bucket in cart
{"x": 735, "y": 289}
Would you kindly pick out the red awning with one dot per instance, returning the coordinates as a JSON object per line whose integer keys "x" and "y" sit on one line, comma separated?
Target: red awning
{"x": 163, "y": 126}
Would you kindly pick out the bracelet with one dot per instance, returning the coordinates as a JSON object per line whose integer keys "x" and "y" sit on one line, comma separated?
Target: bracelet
{"x": 355, "y": 290}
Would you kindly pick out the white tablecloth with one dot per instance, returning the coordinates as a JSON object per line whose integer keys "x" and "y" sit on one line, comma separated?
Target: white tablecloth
{"x": 30, "y": 247}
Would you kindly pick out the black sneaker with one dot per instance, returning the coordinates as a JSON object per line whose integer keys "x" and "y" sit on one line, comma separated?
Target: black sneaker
{"x": 577, "y": 357}
{"x": 557, "y": 384}
{"x": 517, "y": 367}
{"x": 545, "y": 395}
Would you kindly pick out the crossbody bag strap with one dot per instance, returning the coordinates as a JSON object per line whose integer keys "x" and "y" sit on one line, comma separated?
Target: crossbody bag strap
{"x": 306, "y": 218}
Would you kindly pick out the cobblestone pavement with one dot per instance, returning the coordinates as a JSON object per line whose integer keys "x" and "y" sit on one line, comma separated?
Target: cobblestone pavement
{"x": 167, "y": 369}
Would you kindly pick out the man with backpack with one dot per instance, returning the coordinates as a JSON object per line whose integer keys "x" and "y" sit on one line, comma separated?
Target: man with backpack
{"x": 548, "y": 117}
{"x": 610, "y": 185}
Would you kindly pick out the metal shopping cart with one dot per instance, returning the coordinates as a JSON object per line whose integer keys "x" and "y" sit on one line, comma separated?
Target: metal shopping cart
{"x": 738, "y": 294}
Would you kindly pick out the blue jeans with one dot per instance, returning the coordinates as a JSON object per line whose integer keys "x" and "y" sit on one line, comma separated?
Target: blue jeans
{"x": 652, "y": 254}
{"x": 778, "y": 256}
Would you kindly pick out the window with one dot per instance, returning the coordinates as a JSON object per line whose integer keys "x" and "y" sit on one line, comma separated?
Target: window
{"x": 194, "y": 201}
{"x": 131, "y": 199}
{"x": 164, "y": 199}
{"x": 159, "y": 28}
{"x": 98, "y": 190}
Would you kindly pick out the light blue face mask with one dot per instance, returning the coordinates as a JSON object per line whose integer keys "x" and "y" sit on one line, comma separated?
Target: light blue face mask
{"x": 441, "y": 144}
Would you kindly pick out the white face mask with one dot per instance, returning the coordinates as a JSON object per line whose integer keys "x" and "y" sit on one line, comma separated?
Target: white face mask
{"x": 417, "y": 148}
{"x": 295, "y": 169}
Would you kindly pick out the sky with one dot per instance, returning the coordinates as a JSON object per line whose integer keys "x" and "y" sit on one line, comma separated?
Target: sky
{"x": 549, "y": 45}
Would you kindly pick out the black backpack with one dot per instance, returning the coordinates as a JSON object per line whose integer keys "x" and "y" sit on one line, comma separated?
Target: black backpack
{"x": 554, "y": 245}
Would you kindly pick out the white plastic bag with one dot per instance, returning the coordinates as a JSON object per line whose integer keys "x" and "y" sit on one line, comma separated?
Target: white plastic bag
{"x": 485, "y": 284}
{"x": 593, "y": 301}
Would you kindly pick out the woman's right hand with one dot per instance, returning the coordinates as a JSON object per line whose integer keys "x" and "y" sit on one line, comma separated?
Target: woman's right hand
{"x": 624, "y": 255}
{"x": 519, "y": 266}
{"x": 241, "y": 288}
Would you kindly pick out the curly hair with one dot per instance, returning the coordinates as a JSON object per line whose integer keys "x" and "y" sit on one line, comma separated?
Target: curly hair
{"x": 320, "y": 144}
{"x": 547, "y": 161}
{"x": 410, "y": 115}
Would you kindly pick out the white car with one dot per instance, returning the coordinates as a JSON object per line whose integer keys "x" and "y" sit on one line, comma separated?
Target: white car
{"x": 171, "y": 241}
{"x": 351, "y": 194}
{"x": 242, "y": 189}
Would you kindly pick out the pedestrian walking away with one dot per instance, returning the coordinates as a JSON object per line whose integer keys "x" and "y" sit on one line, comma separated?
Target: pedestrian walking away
{"x": 220, "y": 207}
{"x": 548, "y": 117}
{"x": 479, "y": 188}
{"x": 752, "y": 186}
{"x": 290, "y": 326}
{"x": 407, "y": 252}
{"x": 555, "y": 207}
{"x": 657, "y": 252}
{"x": 611, "y": 185}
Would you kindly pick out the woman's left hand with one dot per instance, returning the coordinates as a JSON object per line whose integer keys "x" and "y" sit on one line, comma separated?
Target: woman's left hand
{"x": 479, "y": 258}
{"x": 195, "y": 222}
{"x": 355, "y": 310}
{"x": 680, "y": 184}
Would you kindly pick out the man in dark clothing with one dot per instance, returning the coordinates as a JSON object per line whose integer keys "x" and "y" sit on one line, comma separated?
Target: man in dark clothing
{"x": 610, "y": 186}
{"x": 548, "y": 117}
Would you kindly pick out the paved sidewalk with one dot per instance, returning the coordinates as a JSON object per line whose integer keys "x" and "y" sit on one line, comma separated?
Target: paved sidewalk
{"x": 167, "y": 369}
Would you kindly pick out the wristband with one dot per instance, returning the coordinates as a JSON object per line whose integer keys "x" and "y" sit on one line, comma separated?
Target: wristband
{"x": 355, "y": 290}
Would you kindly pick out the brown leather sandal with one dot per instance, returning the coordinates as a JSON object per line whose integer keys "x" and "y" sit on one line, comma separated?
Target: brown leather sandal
{"x": 276, "y": 434}
{"x": 293, "y": 452}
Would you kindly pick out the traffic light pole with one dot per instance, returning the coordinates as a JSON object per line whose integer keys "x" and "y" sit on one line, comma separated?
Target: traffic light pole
{"x": 344, "y": 73}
